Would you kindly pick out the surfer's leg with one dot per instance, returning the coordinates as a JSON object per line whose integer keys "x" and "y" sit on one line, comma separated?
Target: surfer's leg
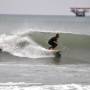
{"x": 54, "y": 45}
{"x": 51, "y": 45}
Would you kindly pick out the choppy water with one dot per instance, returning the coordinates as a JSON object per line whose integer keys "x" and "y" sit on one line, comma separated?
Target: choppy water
{"x": 26, "y": 63}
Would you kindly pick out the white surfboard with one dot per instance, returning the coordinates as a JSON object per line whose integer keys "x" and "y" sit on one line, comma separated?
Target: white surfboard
{"x": 54, "y": 51}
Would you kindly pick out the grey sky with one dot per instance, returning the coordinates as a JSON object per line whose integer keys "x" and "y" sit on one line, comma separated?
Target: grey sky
{"x": 53, "y": 7}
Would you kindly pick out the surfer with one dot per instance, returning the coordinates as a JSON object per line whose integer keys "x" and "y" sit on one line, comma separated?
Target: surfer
{"x": 53, "y": 41}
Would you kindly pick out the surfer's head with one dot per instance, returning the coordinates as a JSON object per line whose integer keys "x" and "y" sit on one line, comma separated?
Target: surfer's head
{"x": 57, "y": 35}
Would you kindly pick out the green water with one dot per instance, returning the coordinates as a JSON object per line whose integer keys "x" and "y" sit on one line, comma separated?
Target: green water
{"x": 66, "y": 40}
{"x": 75, "y": 48}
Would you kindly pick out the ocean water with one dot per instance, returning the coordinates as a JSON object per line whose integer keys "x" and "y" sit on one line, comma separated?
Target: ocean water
{"x": 27, "y": 64}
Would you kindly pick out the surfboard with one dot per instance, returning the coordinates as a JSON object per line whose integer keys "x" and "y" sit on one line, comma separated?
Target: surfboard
{"x": 54, "y": 51}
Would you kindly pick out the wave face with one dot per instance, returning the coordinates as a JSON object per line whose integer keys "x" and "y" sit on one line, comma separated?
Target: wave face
{"x": 34, "y": 45}
{"x": 23, "y": 45}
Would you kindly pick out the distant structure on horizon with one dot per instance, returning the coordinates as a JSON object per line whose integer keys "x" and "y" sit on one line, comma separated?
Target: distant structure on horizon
{"x": 79, "y": 11}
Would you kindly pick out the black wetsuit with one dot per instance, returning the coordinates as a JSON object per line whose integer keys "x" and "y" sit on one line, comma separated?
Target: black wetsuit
{"x": 52, "y": 42}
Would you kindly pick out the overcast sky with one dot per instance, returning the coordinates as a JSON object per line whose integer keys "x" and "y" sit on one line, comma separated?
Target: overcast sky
{"x": 45, "y": 7}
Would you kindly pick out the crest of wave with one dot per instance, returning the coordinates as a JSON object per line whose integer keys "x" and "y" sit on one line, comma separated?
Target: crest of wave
{"x": 22, "y": 45}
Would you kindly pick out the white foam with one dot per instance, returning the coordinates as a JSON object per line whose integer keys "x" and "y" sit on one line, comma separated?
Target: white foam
{"x": 23, "y": 46}
{"x": 26, "y": 86}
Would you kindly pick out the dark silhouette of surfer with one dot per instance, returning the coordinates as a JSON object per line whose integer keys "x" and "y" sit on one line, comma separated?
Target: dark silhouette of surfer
{"x": 0, "y": 50}
{"x": 53, "y": 41}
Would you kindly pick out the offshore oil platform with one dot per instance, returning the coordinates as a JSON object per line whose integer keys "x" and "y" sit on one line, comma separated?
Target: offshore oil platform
{"x": 80, "y": 11}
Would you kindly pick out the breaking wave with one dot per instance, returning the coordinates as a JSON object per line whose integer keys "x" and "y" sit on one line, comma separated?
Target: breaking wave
{"x": 21, "y": 44}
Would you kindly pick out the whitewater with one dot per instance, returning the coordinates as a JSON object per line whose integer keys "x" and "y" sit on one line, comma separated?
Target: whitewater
{"x": 22, "y": 45}
{"x": 48, "y": 87}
